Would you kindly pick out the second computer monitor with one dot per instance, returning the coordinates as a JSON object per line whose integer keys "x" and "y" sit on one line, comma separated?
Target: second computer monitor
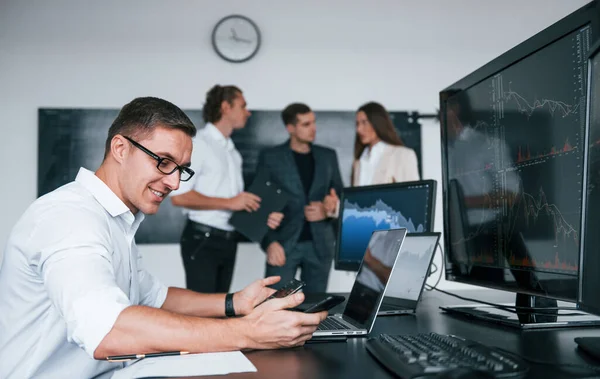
{"x": 365, "y": 209}
{"x": 590, "y": 243}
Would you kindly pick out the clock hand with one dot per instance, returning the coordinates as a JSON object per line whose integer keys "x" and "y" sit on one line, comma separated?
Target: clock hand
{"x": 243, "y": 40}
{"x": 234, "y": 35}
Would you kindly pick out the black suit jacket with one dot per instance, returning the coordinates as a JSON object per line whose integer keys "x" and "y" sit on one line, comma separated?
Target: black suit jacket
{"x": 278, "y": 165}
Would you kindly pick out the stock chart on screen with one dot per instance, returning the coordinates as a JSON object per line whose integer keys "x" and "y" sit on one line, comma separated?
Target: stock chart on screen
{"x": 366, "y": 209}
{"x": 514, "y": 145}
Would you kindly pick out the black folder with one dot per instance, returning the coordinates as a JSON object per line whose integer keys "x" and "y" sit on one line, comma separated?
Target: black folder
{"x": 253, "y": 225}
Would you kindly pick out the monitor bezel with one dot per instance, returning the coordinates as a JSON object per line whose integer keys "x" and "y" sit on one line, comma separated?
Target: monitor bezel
{"x": 588, "y": 15}
{"x": 594, "y": 51}
{"x": 354, "y": 266}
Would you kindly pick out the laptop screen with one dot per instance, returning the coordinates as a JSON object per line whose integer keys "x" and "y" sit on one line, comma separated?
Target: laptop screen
{"x": 413, "y": 264}
{"x": 373, "y": 276}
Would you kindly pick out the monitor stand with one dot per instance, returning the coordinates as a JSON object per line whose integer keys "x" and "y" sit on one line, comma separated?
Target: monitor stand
{"x": 526, "y": 318}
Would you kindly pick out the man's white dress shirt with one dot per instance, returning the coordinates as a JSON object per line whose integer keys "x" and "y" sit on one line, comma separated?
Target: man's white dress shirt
{"x": 70, "y": 267}
{"x": 218, "y": 173}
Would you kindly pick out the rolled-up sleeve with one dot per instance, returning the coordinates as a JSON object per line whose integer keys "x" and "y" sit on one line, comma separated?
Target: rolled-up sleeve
{"x": 87, "y": 297}
{"x": 75, "y": 262}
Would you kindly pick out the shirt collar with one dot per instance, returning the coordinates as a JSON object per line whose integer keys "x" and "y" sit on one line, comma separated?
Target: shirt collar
{"x": 106, "y": 197}
{"x": 215, "y": 134}
{"x": 370, "y": 153}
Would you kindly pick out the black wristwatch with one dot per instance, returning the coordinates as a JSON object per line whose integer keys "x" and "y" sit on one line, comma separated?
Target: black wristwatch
{"x": 229, "y": 310}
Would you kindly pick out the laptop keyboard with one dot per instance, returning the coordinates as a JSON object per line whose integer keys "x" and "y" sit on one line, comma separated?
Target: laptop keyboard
{"x": 330, "y": 323}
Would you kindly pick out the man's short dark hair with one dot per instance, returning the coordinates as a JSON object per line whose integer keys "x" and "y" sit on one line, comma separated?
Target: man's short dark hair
{"x": 290, "y": 114}
{"x": 211, "y": 111}
{"x": 142, "y": 115}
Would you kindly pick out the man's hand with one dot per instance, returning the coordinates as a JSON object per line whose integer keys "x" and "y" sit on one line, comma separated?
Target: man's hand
{"x": 315, "y": 211}
{"x": 244, "y": 201}
{"x": 274, "y": 220}
{"x": 245, "y": 300}
{"x": 275, "y": 254}
{"x": 271, "y": 326}
{"x": 330, "y": 202}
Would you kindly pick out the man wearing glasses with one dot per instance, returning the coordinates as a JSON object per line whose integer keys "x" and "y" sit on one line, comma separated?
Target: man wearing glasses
{"x": 208, "y": 241}
{"x": 72, "y": 282}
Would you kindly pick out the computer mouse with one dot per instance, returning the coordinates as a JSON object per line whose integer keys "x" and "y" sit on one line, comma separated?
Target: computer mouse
{"x": 465, "y": 373}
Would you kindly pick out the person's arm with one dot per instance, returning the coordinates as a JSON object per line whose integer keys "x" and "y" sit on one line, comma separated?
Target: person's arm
{"x": 100, "y": 318}
{"x": 191, "y": 303}
{"x": 178, "y": 300}
{"x": 187, "y": 196}
{"x": 140, "y": 329}
{"x": 195, "y": 200}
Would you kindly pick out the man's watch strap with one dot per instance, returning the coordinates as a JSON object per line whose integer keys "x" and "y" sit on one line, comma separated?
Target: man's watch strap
{"x": 229, "y": 310}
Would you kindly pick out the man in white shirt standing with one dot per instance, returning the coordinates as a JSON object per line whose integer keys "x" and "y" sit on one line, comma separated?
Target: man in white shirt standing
{"x": 208, "y": 241}
{"x": 73, "y": 287}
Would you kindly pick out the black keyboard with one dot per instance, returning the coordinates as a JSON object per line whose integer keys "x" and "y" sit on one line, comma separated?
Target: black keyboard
{"x": 423, "y": 355}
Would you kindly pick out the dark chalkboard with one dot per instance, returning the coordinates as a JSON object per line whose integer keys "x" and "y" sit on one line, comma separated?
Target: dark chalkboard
{"x": 74, "y": 138}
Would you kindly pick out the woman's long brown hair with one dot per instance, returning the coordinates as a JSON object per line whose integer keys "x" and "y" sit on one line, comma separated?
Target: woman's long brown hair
{"x": 379, "y": 117}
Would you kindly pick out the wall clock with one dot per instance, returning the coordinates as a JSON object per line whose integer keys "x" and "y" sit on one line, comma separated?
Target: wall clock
{"x": 236, "y": 38}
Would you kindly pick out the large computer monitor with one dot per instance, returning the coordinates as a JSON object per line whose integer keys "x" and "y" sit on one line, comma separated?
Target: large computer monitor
{"x": 409, "y": 205}
{"x": 512, "y": 152}
{"x": 590, "y": 243}
{"x": 589, "y": 300}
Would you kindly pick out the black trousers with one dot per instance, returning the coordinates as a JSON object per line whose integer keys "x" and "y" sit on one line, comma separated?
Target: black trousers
{"x": 208, "y": 257}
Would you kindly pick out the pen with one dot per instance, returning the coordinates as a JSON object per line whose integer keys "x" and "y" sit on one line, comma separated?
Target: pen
{"x": 119, "y": 358}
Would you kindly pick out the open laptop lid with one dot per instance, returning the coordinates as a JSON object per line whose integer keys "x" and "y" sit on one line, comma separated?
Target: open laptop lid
{"x": 406, "y": 284}
{"x": 373, "y": 276}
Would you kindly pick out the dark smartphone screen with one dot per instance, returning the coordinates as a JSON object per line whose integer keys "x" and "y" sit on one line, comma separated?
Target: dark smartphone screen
{"x": 290, "y": 288}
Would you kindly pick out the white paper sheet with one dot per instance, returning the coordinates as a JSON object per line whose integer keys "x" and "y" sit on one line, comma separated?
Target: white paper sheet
{"x": 187, "y": 365}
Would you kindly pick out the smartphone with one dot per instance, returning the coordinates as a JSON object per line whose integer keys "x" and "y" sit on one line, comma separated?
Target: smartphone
{"x": 325, "y": 304}
{"x": 290, "y": 288}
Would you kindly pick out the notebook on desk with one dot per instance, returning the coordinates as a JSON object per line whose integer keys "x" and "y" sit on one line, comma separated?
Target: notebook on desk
{"x": 406, "y": 284}
{"x": 373, "y": 276}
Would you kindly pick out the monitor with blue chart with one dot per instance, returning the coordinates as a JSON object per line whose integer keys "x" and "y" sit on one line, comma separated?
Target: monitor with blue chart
{"x": 365, "y": 209}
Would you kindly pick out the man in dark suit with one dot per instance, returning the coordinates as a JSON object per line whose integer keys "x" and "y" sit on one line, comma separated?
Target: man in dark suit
{"x": 306, "y": 237}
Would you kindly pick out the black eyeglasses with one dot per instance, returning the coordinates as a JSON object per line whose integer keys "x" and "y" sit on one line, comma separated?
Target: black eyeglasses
{"x": 166, "y": 165}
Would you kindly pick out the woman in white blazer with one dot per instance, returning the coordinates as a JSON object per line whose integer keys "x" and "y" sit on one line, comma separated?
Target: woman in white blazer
{"x": 380, "y": 156}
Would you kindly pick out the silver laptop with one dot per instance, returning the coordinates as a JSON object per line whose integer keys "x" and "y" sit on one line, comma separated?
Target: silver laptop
{"x": 406, "y": 284}
{"x": 369, "y": 286}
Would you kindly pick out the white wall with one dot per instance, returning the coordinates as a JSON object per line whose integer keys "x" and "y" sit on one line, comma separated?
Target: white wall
{"x": 330, "y": 54}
